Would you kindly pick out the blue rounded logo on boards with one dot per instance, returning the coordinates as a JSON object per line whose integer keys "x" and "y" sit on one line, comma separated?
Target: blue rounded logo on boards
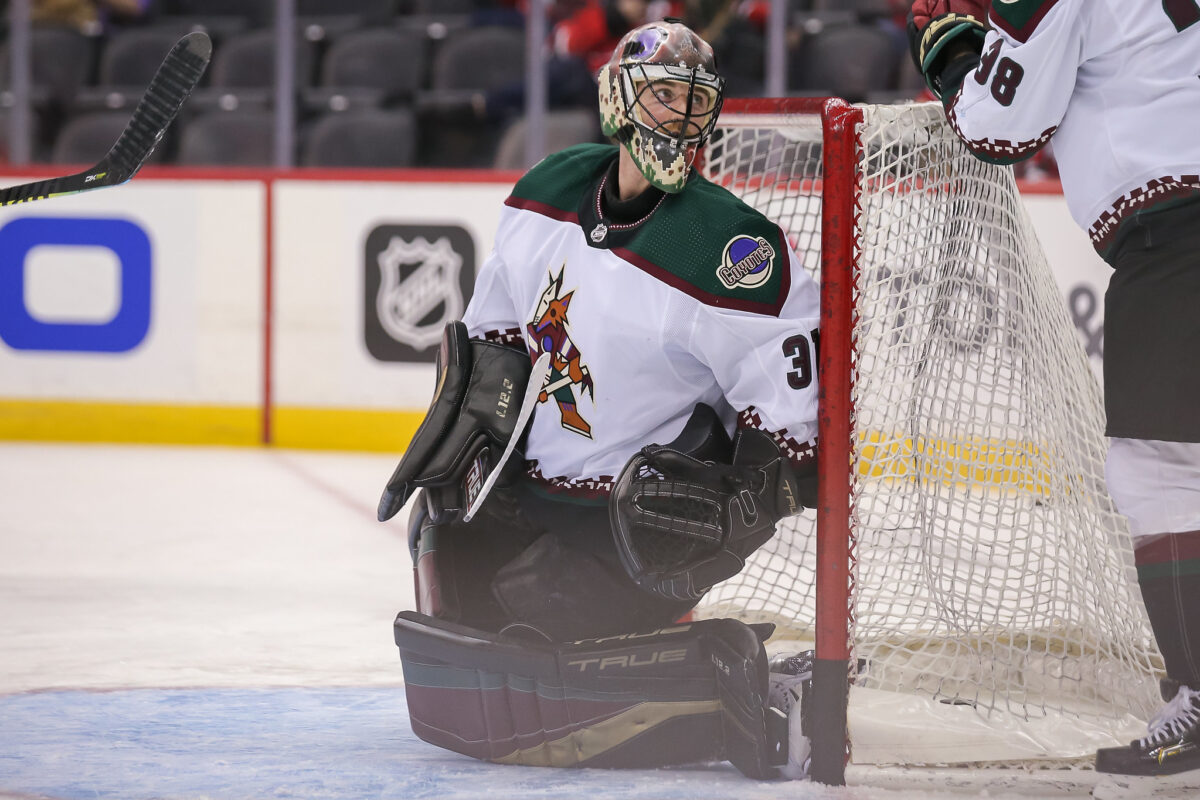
{"x": 20, "y": 330}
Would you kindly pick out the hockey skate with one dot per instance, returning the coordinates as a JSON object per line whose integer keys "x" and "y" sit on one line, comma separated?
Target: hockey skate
{"x": 788, "y": 692}
{"x": 1163, "y": 764}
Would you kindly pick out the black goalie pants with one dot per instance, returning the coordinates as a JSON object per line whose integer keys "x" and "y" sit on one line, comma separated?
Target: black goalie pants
{"x": 535, "y": 564}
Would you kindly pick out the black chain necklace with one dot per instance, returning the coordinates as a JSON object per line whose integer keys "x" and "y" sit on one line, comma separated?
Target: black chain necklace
{"x": 601, "y": 229}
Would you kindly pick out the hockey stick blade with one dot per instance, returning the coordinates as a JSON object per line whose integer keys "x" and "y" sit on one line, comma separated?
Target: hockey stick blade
{"x": 178, "y": 75}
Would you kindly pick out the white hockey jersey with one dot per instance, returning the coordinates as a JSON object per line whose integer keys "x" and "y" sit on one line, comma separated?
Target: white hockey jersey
{"x": 704, "y": 302}
{"x": 1116, "y": 82}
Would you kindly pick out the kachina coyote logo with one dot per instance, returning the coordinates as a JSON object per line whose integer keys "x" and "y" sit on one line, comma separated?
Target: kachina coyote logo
{"x": 567, "y": 370}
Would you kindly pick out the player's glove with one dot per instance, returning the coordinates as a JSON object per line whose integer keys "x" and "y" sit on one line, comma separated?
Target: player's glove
{"x": 945, "y": 33}
{"x": 682, "y": 525}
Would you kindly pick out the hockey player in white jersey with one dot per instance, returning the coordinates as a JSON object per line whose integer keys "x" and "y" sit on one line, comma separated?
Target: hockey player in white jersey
{"x": 1116, "y": 83}
{"x": 674, "y": 426}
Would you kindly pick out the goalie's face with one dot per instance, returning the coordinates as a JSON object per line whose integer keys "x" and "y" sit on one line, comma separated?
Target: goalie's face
{"x": 675, "y": 109}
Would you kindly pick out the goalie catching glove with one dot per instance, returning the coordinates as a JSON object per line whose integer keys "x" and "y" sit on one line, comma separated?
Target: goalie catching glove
{"x": 682, "y": 525}
{"x": 946, "y": 38}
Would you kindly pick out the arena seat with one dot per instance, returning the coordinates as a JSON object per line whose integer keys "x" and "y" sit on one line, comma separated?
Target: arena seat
{"x": 256, "y": 12}
{"x": 563, "y": 129}
{"x": 821, "y": 63}
{"x": 60, "y": 63}
{"x": 368, "y": 138}
{"x": 376, "y": 58}
{"x": 248, "y": 60}
{"x": 229, "y": 138}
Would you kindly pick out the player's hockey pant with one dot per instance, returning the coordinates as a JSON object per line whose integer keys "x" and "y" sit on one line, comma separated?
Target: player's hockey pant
{"x": 689, "y": 693}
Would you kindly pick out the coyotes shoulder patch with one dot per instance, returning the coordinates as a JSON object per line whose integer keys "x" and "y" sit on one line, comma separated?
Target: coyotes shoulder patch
{"x": 747, "y": 262}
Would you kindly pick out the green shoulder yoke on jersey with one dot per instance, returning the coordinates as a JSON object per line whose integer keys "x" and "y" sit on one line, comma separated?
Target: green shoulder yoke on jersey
{"x": 555, "y": 183}
{"x": 709, "y": 244}
{"x": 703, "y": 240}
{"x": 1019, "y": 18}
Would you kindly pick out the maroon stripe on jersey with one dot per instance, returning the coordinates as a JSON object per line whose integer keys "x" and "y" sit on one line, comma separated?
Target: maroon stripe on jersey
{"x": 1021, "y": 33}
{"x": 598, "y": 488}
{"x": 1160, "y": 190}
{"x": 801, "y": 454}
{"x": 508, "y": 336}
{"x": 771, "y": 309}
{"x": 544, "y": 209}
{"x": 997, "y": 150}
{"x": 1166, "y": 548}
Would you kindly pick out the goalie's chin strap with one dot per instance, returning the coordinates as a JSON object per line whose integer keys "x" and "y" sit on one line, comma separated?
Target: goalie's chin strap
{"x": 537, "y": 376}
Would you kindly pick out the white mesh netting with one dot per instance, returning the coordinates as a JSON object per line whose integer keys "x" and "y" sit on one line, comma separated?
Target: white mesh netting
{"x": 992, "y": 577}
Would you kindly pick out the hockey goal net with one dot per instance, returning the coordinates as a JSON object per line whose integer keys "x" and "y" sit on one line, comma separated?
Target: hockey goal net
{"x": 975, "y": 584}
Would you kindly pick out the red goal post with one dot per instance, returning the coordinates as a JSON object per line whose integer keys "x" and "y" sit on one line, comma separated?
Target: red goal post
{"x": 965, "y": 561}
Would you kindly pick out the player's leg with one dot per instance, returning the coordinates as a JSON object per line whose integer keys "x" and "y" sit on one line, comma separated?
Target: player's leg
{"x": 527, "y": 562}
{"x": 1152, "y": 382}
{"x": 1156, "y": 485}
{"x": 455, "y": 562}
{"x": 569, "y": 583}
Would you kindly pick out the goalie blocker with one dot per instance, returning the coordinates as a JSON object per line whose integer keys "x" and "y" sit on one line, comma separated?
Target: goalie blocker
{"x": 691, "y": 692}
{"x": 472, "y": 417}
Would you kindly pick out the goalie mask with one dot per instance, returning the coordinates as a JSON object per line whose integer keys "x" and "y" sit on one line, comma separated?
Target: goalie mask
{"x": 659, "y": 97}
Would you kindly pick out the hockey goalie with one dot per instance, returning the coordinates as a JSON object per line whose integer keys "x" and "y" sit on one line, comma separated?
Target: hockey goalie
{"x": 625, "y": 412}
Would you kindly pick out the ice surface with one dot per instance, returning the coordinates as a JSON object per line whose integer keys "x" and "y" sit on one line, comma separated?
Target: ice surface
{"x": 216, "y": 623}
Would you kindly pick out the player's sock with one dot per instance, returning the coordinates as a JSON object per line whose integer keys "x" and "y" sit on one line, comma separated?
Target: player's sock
{"x": 790, "y": 683}
{"x": 1168, "y": 570}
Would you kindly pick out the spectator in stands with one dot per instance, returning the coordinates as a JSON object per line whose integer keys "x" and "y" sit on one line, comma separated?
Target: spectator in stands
{"x": 593, "y": 30}
{"x": 581, "y": 42}
{"x": 89, "y": 16}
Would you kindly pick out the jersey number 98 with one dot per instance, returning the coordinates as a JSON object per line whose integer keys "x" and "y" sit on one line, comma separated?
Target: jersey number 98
{"x": 1008, "y": 74}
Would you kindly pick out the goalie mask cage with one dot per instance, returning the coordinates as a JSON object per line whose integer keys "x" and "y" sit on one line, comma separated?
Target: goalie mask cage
{"x": 966, "y": 579}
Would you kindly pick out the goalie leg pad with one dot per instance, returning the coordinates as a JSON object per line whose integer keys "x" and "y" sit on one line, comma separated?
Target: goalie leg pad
{"x": 690, "y": 693}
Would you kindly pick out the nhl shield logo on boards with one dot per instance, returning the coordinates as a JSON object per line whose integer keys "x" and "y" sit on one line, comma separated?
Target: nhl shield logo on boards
{"x": 405, "y": 305}
{"x": 747, "y": 262}
{"x": 416, "y": 279}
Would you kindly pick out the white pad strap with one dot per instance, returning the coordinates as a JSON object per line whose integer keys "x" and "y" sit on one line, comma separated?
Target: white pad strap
{"x": 538, "y": 375}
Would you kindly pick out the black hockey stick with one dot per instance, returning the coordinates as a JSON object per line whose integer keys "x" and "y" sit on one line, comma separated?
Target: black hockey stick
{"x": 181, "y": 70}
